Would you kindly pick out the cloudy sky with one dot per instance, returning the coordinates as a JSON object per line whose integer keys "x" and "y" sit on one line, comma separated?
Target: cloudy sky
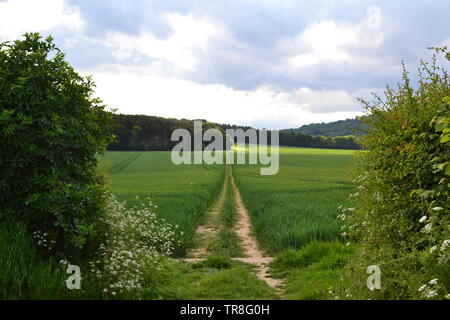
{"x": 267, "y": 63}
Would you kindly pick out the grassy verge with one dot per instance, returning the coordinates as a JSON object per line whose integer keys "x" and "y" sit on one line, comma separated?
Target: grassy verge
{"x": 314, "y": 272}
{"x": 217, "y": 277}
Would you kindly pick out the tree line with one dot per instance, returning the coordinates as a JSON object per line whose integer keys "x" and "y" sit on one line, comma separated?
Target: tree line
{"x": 151, "y": 133}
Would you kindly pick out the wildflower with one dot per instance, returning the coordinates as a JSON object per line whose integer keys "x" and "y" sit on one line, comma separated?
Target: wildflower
{"x": 433, "y": 282}
{"x": 433, "y": 249}
{"x": 445, "y": 245}
{"x": 431, "y": 293}
{"x": 428, "y": 227}
{"x": 438, "y": 208}
{"x": 423, "y": 219}
{"x": 422, "y": 288}
{"x": 135, "y": 238}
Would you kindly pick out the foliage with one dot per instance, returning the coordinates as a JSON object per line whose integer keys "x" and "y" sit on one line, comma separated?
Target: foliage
{"x": 135, "y": 243}
{"x": 339, "y": 128}
{"x": 25, "y": 275}
{"x": 150, "y": 133}
{"x": 295, "y": 138}
{"x": 401, "y": 213}
{"x": 51, "y": 129}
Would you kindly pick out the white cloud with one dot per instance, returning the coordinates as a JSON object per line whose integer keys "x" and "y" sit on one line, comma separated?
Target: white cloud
{"x": 327, "y": 41}
{"x": 189, "y": 38}
{"x": 140, "y": 93}
{"x": 20, "y": 16}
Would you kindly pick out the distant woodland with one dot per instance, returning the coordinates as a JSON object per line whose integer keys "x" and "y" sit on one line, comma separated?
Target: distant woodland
{"x": 334, "y": 129}
{"x": 151, "y": 133}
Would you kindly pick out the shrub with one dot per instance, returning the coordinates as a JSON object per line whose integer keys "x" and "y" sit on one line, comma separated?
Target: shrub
{"x": 51, "y": 128}
{"x": 401, "y": 213}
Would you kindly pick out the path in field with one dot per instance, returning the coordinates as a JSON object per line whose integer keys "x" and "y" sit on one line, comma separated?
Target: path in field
{"x": 253, "y": 254}
{"x": 207, "y": 231}
{"x": 243, "y": 228}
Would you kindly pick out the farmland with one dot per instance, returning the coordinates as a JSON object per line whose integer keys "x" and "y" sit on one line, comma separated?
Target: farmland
{"x": 181, "y": 193}
{"x": 299, "y": 204}
{"x": 288, "y": 210}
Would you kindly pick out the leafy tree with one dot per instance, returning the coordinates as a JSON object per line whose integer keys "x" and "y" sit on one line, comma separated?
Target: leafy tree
{"x": 51, "y": 129}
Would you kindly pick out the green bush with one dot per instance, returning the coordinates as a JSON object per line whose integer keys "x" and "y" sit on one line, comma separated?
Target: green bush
{"x": 401, "y": 214}
{"x": 51, "y": 128}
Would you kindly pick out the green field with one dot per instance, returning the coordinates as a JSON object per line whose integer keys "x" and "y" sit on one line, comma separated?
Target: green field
{"x": 299, "y": 204}
{"x": 181, "y": 193}
{"x": 288, "y": 210}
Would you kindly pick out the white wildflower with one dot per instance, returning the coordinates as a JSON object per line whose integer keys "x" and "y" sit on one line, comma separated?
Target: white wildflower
{"x": 430, "y": 293}
{"x": 433, "y": 282}
{"x": 423, "y": 219}
{"x": 428, "y": 227}
{"x": 445, "y": 245}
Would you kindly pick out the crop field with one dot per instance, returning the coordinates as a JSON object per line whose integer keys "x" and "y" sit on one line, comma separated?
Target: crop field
{"x": 288, "y": 210}
{"x": 181, "y": 193}
{"x": 300, "y": 203}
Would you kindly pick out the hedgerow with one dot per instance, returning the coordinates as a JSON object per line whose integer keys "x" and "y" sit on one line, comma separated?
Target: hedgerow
{"x": 401, "y": 210}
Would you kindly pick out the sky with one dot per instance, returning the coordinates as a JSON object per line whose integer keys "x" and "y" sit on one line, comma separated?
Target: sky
{"x": 264, "y": 63}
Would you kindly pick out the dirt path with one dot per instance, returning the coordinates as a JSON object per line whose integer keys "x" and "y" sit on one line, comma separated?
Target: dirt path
{"x": 253, "y": 254}
{"x": 208, "y": 230}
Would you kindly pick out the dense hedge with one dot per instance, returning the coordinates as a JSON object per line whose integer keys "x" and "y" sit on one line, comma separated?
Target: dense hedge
{"x": 401, "y": 216}
{"x": 51, "y": 129}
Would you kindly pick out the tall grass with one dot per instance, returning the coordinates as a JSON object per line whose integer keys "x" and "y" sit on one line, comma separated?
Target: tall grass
{"x": 25, "y": 274}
